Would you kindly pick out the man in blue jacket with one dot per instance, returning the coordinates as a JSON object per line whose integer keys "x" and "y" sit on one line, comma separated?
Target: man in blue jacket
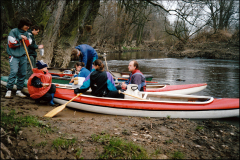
{"x": 86, "y": 54}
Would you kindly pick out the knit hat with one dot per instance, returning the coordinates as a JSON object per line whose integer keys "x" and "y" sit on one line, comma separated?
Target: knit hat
{"x": 41, "y": 64}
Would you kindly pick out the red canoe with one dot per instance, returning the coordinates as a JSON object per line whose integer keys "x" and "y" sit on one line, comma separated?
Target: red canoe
{"x": 155, "y": 105}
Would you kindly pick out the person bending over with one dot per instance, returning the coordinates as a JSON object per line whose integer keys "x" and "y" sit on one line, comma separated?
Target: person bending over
{"x": 101, "y": 83}
{"x": 86, "y": 54}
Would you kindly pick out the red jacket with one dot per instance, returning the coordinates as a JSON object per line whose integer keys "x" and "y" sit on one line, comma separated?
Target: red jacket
{"x": 34, "y": 92}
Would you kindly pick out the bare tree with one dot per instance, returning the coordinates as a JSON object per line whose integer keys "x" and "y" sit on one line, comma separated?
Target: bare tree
{"x": 195, "y": 15}
{"x": 221, "y": 12}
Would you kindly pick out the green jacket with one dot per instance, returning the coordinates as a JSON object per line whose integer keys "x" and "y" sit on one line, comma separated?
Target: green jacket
{"x": 15, "y": 46}
{"x": 32, "y": 48}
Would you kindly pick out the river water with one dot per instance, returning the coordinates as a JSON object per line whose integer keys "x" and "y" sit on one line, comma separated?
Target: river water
{"x": 222, "y": 76}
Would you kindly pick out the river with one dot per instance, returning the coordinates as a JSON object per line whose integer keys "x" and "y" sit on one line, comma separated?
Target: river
{"x": 222, "y": 76}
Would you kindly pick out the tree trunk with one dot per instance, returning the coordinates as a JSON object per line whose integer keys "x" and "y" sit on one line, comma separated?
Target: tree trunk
{"x": 65, "y": 29}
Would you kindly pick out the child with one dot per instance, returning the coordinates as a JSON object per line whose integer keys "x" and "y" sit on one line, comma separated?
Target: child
{"x": 39, "y": 84}
{"x": 81, "y": 71}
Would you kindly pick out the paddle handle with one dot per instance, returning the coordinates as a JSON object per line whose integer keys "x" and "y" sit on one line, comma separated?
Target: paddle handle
{"x": 73, "y": 98}
{"x": 27, "y": 53}
{"x": 106, "y": 62}
{"x": 131, "y": 95}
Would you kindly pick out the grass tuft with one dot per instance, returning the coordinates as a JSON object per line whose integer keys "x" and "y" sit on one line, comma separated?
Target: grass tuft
{"x": 199, "y": 128}
{"x": 63, "y": 143}
{"x": 13, "y": 122}
{"x": 78, "y": 153}
{"x": 118, "y": 148}
{"x": 42, "y": 144}
{"x": 177, "y": 155}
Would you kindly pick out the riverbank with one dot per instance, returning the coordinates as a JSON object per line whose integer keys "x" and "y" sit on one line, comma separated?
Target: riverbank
{"x": 75, "y": 134}
{"x": 221, "y": 45}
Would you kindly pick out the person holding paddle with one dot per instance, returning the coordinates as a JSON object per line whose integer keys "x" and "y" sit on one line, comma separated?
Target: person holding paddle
{"x": 40, "y": 85}
{"x": 86, "y": 54}
{"x": 17, "y": 56}
{"x": 101, "y": 83}
{"x": 136, "y": 77}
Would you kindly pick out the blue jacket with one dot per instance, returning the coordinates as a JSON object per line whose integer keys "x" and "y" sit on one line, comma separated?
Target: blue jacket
{"x": 83, "y": 73}
{"x": 87, "y": 56}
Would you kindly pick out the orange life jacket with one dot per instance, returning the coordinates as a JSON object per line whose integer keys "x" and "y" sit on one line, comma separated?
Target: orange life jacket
{"x": 34, "y": 92}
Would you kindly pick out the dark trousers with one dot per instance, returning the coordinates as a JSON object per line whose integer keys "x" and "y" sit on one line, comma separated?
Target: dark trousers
{"x": 114, "y": 94}
{"x": 48, "y": 95}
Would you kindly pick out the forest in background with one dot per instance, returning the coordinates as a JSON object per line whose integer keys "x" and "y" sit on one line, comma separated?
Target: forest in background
{"x": 119, "y": 24}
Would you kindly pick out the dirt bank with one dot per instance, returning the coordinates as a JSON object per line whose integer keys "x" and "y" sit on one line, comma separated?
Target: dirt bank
{"x": 163, "y": 138}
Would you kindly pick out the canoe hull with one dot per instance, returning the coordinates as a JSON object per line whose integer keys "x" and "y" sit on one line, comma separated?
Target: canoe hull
{"x": 217, "y": 108}
{"x": 148, "y": 113}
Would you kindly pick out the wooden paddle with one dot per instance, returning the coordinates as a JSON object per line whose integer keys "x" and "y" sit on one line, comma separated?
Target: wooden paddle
{"x": 59, "y": 109}
{"x": 131, "y": 95}
{"x": 107, "y": 67}
{"x": 106, "y": 61}
{"x": 27, "y": 53}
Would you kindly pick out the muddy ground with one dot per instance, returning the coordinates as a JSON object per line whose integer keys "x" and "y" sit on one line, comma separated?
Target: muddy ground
{"x": 161, "y": 137}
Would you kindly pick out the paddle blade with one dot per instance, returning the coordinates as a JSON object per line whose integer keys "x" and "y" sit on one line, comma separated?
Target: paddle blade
{"x": 55, "y": 111}
{"x": 60, "y": 108}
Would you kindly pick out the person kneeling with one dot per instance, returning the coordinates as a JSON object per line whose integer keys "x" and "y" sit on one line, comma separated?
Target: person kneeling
{"x": 40, "y": 85}
{"x": 101, "y": 83}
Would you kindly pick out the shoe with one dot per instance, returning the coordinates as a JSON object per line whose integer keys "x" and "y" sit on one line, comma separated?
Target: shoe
{"x": 51, "y": 102}
{"x": 20, "y": 94}
{"x": 8, "y": 94}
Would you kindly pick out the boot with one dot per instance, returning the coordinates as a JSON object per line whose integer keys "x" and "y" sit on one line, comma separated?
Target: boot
{"x": 51, "y": 102}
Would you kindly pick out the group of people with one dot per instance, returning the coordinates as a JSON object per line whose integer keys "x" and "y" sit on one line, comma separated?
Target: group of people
{"x": 102, "y": 82}
{"x": 40, "y": 85}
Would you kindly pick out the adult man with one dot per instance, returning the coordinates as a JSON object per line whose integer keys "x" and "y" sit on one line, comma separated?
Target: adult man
{"x": 136, "y": 77}
{"x": 86, "y": 54}
{"x": 17, "y": 56}
{"x": 32, "y": 50}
